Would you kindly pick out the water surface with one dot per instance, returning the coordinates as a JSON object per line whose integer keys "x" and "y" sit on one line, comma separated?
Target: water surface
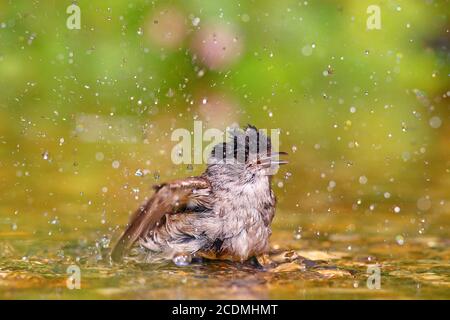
{"x": 332, "y": 263}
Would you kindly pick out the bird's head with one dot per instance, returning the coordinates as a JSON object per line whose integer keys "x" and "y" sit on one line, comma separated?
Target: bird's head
{"x": 246, "y": 156}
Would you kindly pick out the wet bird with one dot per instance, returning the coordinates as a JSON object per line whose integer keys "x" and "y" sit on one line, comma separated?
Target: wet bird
{"x": 225, "y": 213}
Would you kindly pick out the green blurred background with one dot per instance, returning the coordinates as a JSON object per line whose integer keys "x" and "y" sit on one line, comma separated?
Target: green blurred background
{"x": 86, "y": 115}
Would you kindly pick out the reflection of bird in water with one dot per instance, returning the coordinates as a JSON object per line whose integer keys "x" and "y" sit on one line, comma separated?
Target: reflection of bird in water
{"x": 225, "y": 213}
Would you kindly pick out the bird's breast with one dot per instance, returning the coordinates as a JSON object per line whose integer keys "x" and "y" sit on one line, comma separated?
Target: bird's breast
{"x": 244, "y": 216}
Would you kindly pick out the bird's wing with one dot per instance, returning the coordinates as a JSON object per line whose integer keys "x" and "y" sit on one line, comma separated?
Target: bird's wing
{"x": 169, "y": 198}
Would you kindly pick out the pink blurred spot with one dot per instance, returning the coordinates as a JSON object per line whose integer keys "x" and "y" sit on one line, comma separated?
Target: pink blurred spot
{"x": 218, "y": 110}
{"x": 217, "y": 46}
{"x": 167, "y": 27}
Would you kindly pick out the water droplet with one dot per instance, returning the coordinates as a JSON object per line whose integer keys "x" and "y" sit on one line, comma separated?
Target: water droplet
{"x": 195, "y": 21}
{"x": 404, "y": 127}
{"x": 400, "y": 240}
{"x": 424, "y": 204}
{"x": 363, "y": 180}
{"x": 99, "y": 156}
{"x": 115, "y": 164}
{"x": 182, "y": 259}
{"x": 406, "y": 156}
{"x": 298, "y": 233}
{"x": 307, "y": 50}
{"x": 104, "y": 242}
{"x": 435, "y": 122}
{"x": 331, "y": 184}
{"x": 397, "y": 209}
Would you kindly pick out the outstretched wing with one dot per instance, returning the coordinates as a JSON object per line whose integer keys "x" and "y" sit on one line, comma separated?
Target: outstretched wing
{"x": 169, "y": 198}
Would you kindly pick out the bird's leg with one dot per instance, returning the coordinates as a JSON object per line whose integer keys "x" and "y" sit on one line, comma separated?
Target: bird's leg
{"x": 254, "y": 262}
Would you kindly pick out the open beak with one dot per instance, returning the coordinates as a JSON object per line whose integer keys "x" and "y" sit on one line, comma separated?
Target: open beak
{"x": 273, "y": 159}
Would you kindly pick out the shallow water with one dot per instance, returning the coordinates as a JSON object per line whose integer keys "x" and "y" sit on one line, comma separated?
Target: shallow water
{"x": 325, "y": 260}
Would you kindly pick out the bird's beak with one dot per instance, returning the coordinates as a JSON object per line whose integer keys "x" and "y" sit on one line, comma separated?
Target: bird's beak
{"x": 273, "y": 159}
{"x": 276, "y": 155}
